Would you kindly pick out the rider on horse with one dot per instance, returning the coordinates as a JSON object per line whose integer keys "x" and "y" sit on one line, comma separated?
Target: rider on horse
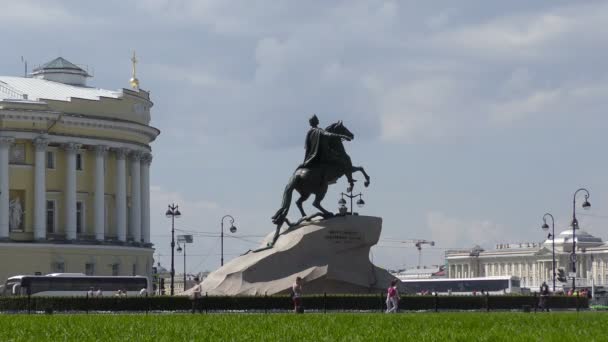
{"x": 318, "y": 151}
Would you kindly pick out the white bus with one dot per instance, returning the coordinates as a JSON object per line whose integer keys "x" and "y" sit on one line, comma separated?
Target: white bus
{"x": 72, "y": 285}
{"x": 463, "y": 286}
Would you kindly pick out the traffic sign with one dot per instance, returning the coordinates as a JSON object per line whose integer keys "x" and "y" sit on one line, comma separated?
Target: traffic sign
{"x": 572, "y": 274}
{"x": 573, "y": 257}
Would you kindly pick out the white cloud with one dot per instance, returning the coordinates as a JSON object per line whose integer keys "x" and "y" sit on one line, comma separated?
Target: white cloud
{"x": 520, "y": 108}
{"x": 456, "y": 232}
{"x": 32, "y": 14}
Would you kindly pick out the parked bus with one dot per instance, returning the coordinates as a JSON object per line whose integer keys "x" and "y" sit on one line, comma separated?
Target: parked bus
{"x": 463, "y": 286}
{"x": 72, "y": 284}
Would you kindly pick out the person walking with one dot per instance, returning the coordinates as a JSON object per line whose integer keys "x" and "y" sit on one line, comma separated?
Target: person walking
{"x": 392, "y": 298}
{"x": 196, "y": 297}
{"x": 544, "y": 294}
{"x": 296, "y": 295}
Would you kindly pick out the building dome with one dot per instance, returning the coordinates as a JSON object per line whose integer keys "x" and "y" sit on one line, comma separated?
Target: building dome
{"x": 583, "y": 240}
{"x": 62, "y": 71}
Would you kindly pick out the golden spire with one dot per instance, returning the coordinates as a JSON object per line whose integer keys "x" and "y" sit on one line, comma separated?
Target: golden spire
{"x": 134, "y": 81}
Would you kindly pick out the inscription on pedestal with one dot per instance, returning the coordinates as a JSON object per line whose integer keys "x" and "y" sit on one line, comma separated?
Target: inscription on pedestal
{"x": 343, "y": 236}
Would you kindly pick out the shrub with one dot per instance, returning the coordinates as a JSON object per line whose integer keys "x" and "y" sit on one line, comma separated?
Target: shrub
{"x": 357, "y": 302}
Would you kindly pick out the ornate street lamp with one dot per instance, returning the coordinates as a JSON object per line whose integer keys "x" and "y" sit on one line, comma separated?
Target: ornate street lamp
{"x": 184, "y": 239}
{"x": 232, "y": 230}
{"x": 342, "y": 202}
{"x": 586, "y": 205}
{"x": 552, "y": 237}
{"x": 173, "y": 213}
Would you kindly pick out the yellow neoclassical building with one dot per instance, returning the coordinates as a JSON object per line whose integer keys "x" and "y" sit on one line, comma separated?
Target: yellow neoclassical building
{"x": 74, "y": 174}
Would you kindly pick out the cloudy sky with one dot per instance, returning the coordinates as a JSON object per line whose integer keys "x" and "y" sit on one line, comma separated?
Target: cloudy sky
{"x": 473, "y": 118}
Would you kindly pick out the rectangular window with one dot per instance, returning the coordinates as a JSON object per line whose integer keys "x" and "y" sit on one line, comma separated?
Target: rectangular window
{"x": 50, "y": 216}
{"x": 50, "y": 160}
{"x": 79, "y": 162}
{"x": 115, "y": 269}
{"x": 79, "y": 216}
{"x": 89, "y": 269}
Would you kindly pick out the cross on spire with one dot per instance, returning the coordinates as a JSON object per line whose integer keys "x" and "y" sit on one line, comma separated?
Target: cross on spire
{"x": 134, "y": 81}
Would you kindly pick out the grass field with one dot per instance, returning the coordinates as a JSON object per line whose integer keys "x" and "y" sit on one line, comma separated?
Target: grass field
{"x": 554, "y": 326}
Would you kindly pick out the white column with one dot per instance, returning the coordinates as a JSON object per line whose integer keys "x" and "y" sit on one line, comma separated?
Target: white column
{"x": 145, "y": 197}
{"x": 100, "y": 186}
{"x": 70, "y": 190}
{"x": 121, "y": 195}
{"x": 135, "y": 219}
{"x": 5, "y": 144}
{"x": 40, "y": 188}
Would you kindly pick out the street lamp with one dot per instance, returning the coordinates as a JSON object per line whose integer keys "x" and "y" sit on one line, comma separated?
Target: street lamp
{"x": 173, "y": 213}
{"x": 552, "y": 237}
{"x": 184, "y": 239}
{"x": 232, "y": 230}
{"x": 342, "y": 202}
{"x": 586, "y": 205}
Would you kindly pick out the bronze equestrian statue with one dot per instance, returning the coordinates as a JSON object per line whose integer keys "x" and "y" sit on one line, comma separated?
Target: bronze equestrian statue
{"x": 324, "y": 163}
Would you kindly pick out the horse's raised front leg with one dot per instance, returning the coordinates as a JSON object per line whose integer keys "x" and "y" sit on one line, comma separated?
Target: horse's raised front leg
{"x": 360, "y": 169}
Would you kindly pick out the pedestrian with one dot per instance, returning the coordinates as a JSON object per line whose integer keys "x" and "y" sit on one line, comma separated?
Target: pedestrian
{"x": 544, "y": 293}
{"x": 392, "y": 298}
{"x": 296, "y": 295}
{"x": 196, "y": 298}
{"x": 90, "y": 293}
{"x": 99, "y": 293}
{"x": 143, "y": 292}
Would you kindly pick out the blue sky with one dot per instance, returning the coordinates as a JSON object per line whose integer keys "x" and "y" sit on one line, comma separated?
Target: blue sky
{"x": 473, "y": 118}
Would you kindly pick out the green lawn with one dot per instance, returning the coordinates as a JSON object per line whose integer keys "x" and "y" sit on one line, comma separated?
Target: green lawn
{"x": 554, "y": 326}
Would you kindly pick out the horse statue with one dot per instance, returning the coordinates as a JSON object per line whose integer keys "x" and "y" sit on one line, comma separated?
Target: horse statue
{"x": 326, "y": 161}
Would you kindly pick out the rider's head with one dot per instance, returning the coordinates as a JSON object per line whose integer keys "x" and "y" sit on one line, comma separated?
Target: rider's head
{"x": 314, "y": 120}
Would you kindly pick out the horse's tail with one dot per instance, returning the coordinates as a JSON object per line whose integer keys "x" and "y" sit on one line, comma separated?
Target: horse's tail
{"x": 281, "y": 214}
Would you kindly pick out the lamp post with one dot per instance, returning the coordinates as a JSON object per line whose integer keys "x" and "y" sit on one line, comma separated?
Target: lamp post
{"x": 586, "y": 205}
{"x": 184, "y": 239}
{"x": 173, "y": 213}
{"x": 232, "y": 230}
{"x": 342, "y": 202}
{"x": 552, "y": 237}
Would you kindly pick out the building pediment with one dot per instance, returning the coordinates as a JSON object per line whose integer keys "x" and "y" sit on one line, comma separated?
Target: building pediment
{"x": 543, "y": 251}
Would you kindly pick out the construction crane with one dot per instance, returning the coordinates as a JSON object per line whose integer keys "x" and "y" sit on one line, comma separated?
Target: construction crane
{"x": 418, "y": 243}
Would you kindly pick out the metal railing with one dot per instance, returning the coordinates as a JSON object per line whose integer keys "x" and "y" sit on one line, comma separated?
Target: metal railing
{"x": 11, "y": 92}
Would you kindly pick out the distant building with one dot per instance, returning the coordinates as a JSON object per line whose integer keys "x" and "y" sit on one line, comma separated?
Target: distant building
{"x": 424, "y": 272}
{"x": 532, "y": 261}
{"x": 74, "y": 175}
{"x": 178, "y": 280}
